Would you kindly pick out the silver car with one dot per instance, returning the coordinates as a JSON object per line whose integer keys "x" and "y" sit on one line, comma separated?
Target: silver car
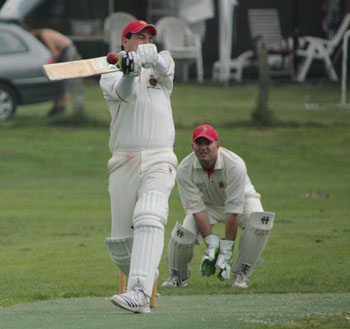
{"x": 22, "y": 79}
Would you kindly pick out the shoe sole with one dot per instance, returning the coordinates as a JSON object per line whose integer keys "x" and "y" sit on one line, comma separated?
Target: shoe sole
{"x": 134, "y": 310}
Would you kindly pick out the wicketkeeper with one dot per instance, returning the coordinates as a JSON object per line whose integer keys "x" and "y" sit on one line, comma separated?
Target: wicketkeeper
{"x": 215, "y": 188}
{"x": 143, "y": 165}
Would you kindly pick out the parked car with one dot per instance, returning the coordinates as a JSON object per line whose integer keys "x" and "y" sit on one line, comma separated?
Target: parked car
{"x": 22, "y": 79}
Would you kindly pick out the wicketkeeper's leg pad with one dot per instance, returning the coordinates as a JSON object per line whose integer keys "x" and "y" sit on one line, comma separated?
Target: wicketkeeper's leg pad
{"x": 181, "y": 251}
{"x": 120, "y": 251}
{"x": 150, "y": 217}
{"x": 253, "y": 241}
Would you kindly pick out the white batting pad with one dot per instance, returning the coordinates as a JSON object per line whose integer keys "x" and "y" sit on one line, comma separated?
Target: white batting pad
{"x": 120, "y": 251}
{"x": 150, "y": 216}
{"x": 151, "y": 210}
{"x": 253, "y": 241}
{"x": 180, "y": 251}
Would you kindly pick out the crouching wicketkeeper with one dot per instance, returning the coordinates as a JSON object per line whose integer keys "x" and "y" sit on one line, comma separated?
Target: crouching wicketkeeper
{"x": 214, "y": 187}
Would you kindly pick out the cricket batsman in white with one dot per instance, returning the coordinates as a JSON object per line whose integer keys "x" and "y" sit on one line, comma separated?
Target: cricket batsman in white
{"x": 143, "y": 165}
{"x": 215, "y": 188}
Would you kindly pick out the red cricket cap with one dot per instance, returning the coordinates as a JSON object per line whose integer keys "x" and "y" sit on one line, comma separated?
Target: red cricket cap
{"x": 137, "y": 26}
{"x": 205, "y": 131}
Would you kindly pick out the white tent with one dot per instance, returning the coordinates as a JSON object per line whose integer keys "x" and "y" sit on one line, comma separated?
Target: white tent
{"x": 226, "y": 11}
{"x": 18, "y": 9}
{"x": 197, "y": 11}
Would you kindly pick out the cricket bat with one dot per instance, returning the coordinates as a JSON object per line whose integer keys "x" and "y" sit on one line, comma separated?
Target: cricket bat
{"x": 80, "y": 68}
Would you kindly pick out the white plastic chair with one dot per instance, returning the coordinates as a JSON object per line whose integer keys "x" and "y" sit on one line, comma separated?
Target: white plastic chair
{"x": 322, "y": 49}
{"x": 183, "y": 44}
{"x": 236, "y": 66}
{"x": 113, "y": 27}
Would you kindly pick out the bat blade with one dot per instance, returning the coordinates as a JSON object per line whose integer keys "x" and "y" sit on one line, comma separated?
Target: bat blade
{"x": 78, "y": 69}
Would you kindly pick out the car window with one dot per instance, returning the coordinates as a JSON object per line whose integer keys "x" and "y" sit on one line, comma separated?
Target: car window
{"x": 10, "y": 43}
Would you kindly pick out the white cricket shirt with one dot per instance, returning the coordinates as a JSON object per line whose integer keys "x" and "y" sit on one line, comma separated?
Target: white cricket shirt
{"x": 226, "y": 186}
{"x": 144, "y": 120}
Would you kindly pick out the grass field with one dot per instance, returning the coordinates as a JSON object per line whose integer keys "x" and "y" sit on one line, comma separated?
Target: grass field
{"x": 55, "y": 206}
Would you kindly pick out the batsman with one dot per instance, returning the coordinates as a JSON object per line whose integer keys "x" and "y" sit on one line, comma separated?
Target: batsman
{"x": 143, "y": 165}
{"x": 215, "y": 188}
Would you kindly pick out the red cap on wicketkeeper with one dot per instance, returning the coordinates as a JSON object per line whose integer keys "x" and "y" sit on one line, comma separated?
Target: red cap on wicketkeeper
{"x": 138, "y": 26}
{"x": 205, "y": 131}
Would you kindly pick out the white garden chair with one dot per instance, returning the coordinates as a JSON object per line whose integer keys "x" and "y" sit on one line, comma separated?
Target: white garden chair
{"x": 312, "y": 48}
{"x": 184, "y": 46}
{"x": 113, "y": 27}
{"x": 235, "y": 66}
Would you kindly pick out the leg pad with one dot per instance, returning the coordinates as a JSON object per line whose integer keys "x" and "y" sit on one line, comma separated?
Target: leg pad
{"x": 120, "y": 251}
{"x": 253, "y": 241}
{"x": 180, "y": 251}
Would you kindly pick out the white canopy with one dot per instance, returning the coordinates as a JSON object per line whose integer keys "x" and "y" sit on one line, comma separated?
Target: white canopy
{"x": 226, "y": 11}
{"x": 18, "y": 9}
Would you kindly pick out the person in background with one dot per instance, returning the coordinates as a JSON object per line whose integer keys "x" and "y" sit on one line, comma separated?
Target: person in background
{"x": 63, "y": 50}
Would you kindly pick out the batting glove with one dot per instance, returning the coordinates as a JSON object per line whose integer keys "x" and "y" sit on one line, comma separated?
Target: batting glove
{"x": 224, "y": 260}
{"x": 148, "y": 54}
{"x": 131, "y": 64}
{"x": 207, "y": 266}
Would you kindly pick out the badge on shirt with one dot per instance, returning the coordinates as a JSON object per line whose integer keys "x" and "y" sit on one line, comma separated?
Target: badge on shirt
{"x": 152, "y": 80}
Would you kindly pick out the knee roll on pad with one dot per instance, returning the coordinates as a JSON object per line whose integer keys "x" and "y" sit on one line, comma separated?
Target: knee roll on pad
{"x": 262, "y": 221}
{"x": 150, "y": 217}
{"x": 253, "y": 241}
{"x": 180, "y": 251}
{"x": 120, "y": 251}
{"x": 151, "y": 210}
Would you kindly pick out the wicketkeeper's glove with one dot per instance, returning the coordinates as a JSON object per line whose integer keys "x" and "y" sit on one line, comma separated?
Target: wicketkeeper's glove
{"x": 224, "y": 260}
{"x": 148, "y": 54}
{"x": 131, "y": 63}
{"x": 207, "y": 267}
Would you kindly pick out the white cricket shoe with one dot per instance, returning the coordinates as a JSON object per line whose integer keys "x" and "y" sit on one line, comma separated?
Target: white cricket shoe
{"x": 240, "y": 280}
{"x": 174, "y": 281}
{"x": 135, "y": 301}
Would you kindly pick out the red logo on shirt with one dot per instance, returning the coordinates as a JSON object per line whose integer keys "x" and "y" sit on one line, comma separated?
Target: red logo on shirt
{"x": 221, "y": 184}
{"x": 153, "y": 81}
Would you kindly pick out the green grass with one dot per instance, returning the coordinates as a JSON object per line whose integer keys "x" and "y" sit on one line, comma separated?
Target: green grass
{"x": 331, "y": 322}
{"x": 55, "y": 205}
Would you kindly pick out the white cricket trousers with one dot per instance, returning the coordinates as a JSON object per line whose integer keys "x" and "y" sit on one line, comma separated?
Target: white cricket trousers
{"x": 218, "y": 215}
{"x": 131, "y": 175}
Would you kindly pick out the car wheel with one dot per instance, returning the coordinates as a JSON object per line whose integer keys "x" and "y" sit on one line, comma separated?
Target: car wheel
{"x": 8, "y": 102}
